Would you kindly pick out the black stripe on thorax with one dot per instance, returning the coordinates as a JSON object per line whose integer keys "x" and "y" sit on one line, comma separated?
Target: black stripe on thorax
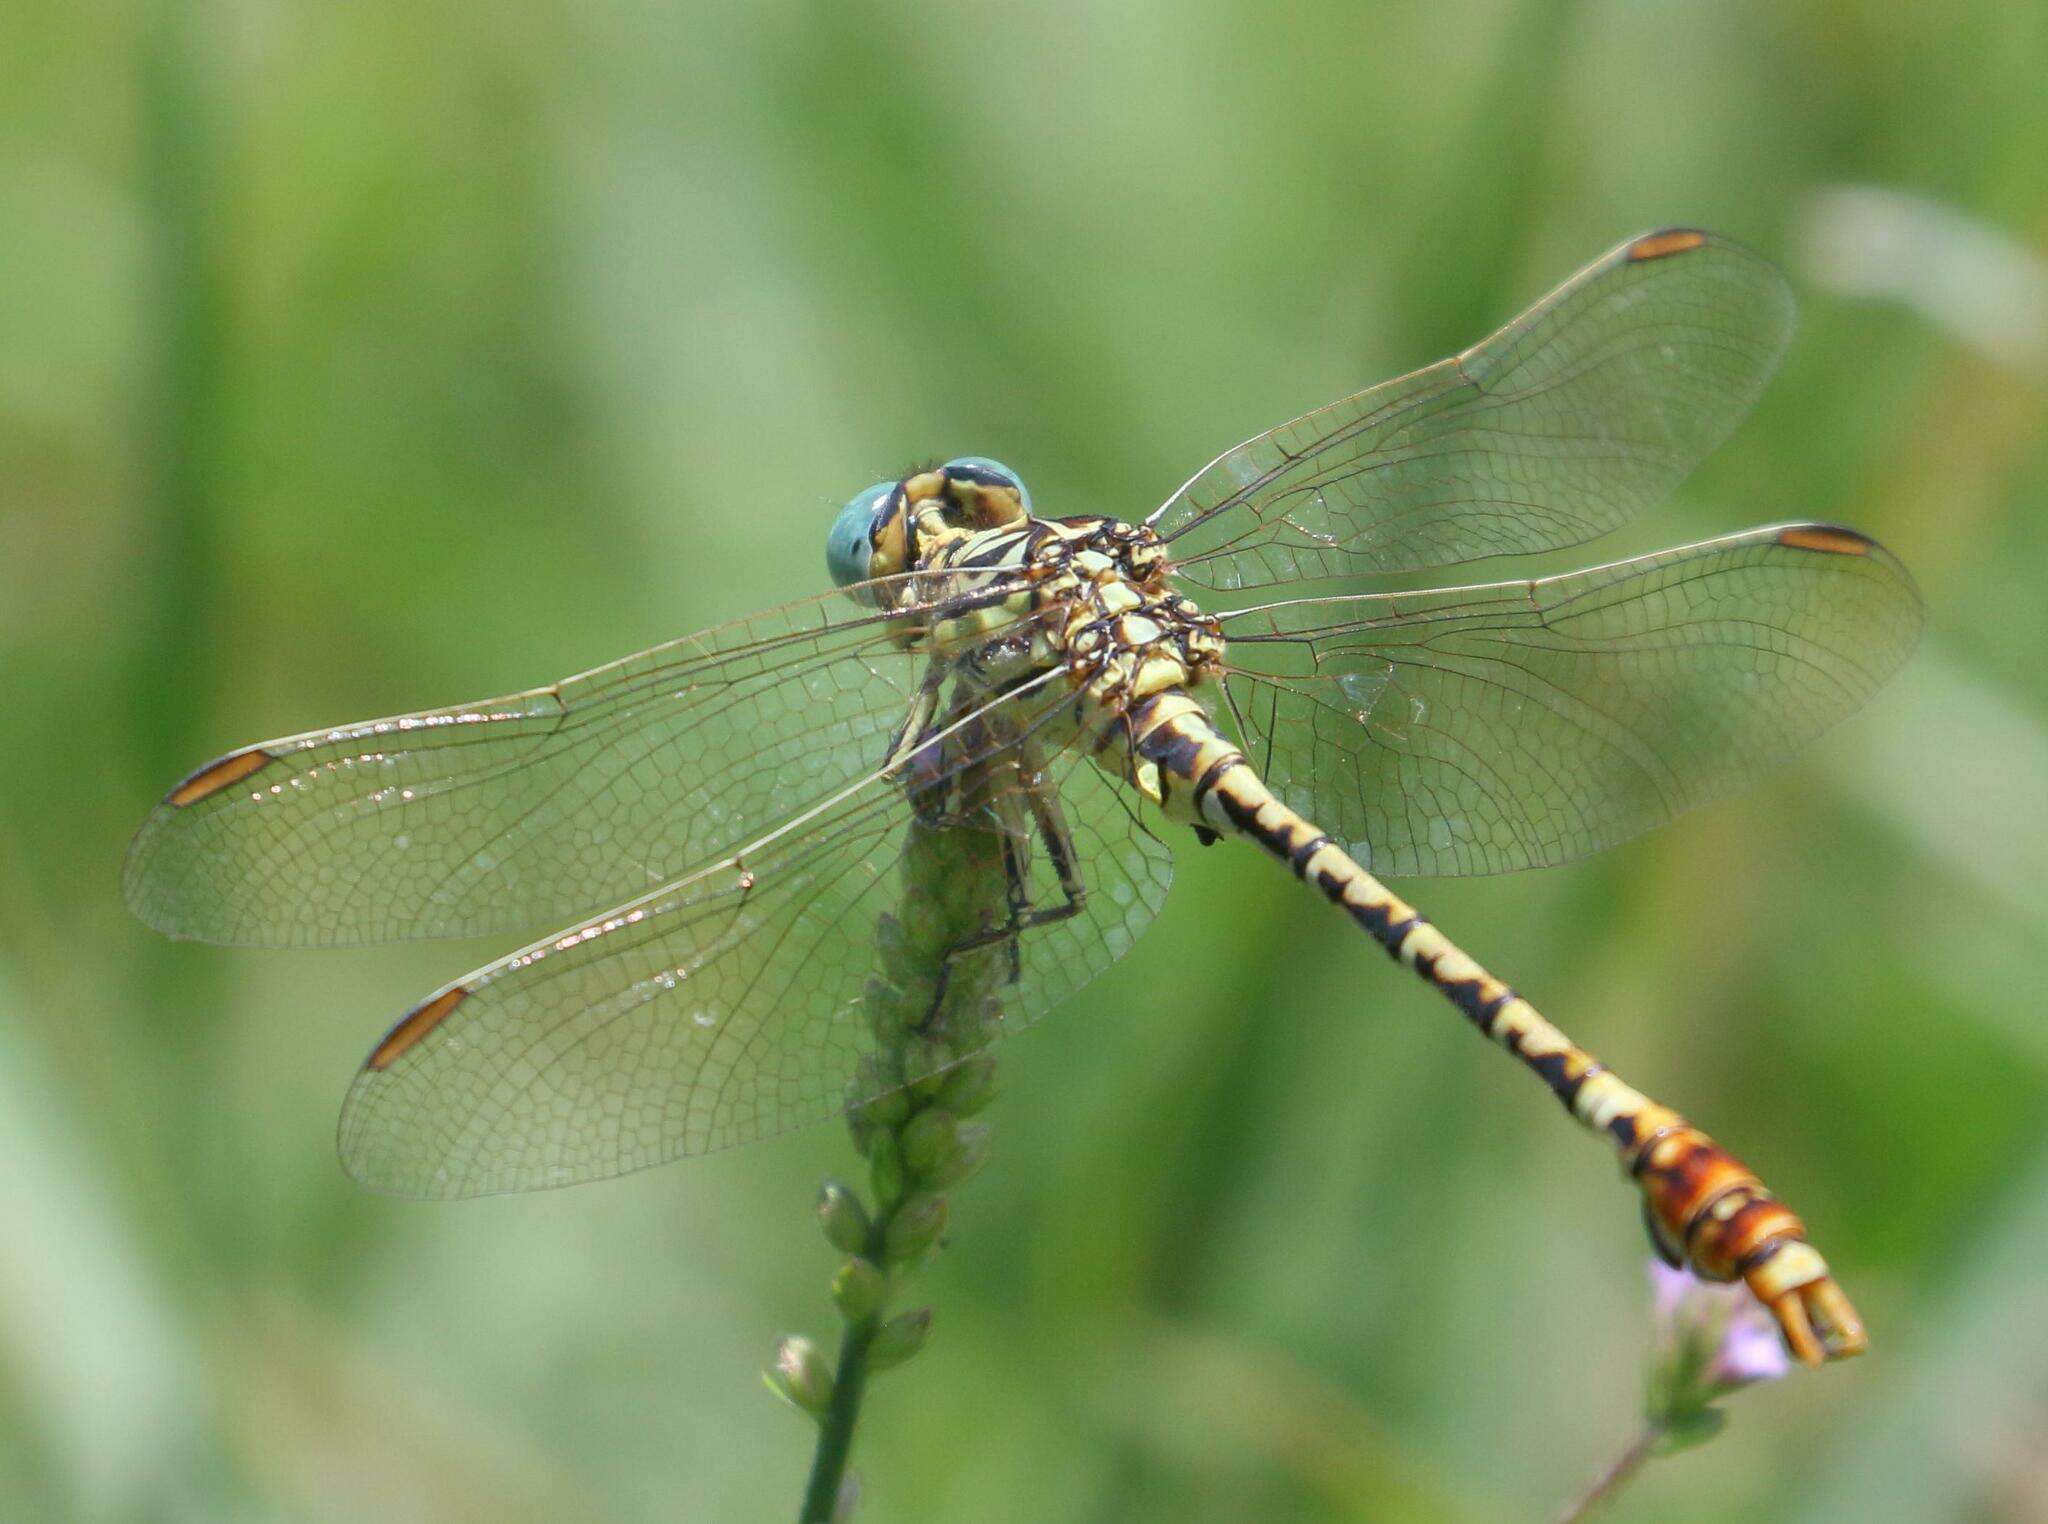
{"x": 1002, "y": 550}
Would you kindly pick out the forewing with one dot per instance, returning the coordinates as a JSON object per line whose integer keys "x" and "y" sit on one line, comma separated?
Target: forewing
{"x": 1587, "y": 408}
{"x": 1482, "y": 729}
{"x": 538, "y": 806}
{"x": 748, "y": 1000}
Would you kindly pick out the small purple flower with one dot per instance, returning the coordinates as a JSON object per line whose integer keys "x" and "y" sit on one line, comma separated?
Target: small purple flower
{"x": 1670, "y": 1287}
{"x": 1751, "y": 1348}
{"x": 1717, "y": 1333}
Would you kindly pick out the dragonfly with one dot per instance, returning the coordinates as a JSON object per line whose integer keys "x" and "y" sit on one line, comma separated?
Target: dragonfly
{"x": 721, "y": 819}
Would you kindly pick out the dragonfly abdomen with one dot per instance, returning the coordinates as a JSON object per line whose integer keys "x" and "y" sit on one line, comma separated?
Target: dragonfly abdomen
{"x": 1703, "y": 1207}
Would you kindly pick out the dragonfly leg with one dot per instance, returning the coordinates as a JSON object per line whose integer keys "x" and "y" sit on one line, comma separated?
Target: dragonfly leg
{"x": 1051, "y": 829}
{"x": 913, "y": 735}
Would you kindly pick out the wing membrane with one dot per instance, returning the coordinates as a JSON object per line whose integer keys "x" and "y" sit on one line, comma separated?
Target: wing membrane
{"x": 541, "y": 805}
{"x": 735, "y": 1005}
{"x": 1482, "y": 729}
{"x": 1586, "y": 409}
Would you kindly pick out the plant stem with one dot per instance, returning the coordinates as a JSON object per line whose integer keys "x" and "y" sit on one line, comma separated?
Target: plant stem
{"x": 1618, "y": 1474}
{"x": 932, "y": 1008}
{"x": 835, "y": 1429}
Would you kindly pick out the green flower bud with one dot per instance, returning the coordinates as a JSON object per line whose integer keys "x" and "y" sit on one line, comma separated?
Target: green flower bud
{"x": 1691, "y": 1427}
{"x": 884, "y": 1009}
{"x": 885, "y": 1170}
{"x": 970, "y": 1086}
{"x": 861, "y": 1127}
{"x": 900, "y": 1338}
{"x": 927, "y": 1139}
{"x": 889, "y": 937}
{"x": 915, "y": 1227}
{"x": 843, "y": 1218}
{"x": 859, "y": 1289}
{"x": 888, "y": 1105}
{"x": 917, "y": 988}
{"x": 929, "y": 1061}
{"x": 969, "y": 1153}
{"x": 800, "y": 1376}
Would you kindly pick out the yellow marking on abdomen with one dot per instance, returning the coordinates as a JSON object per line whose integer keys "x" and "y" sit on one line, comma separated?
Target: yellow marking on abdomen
{"x": 1705, "y": 1207}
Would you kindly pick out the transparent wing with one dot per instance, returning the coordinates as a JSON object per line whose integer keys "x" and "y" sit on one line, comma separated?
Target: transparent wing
{"x": 538, "y": 806}
{"x": 1587, "y": 408}
{"x": 742, "y": 1002}
{"x": 1481, "y": 729}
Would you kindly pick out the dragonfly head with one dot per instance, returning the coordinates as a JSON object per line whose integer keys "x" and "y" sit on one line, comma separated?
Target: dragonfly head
{"x": 873, "y": 535}
{"x": 850, "y": 547}
{"x": 989, "y": 493}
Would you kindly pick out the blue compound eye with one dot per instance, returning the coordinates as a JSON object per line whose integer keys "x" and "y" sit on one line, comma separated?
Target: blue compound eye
{"x": 988, "y": 473}
{"x": 852, "y": 540}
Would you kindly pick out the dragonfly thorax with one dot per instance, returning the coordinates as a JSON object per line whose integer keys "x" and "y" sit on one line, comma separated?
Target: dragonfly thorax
{"x": 1124, "y": 631}
{"x": 1091, "y": 597}
{"x": 1011, "y": 595}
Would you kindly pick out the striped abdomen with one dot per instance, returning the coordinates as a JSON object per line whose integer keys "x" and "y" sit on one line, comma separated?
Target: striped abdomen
{"x": 1704, "y": 1208}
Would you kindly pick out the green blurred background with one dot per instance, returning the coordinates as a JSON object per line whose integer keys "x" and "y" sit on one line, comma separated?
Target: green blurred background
{"x": 360, "y": 357}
